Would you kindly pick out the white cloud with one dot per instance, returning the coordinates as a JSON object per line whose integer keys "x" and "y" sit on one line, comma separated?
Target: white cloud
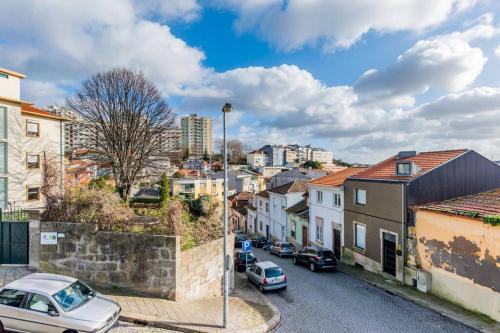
{"x": 497, "y": 51}
{"x": 183, "y": 10}
{"x": 472, "y": 102}
{"x": 290, "y": 25}
{"x": 66, "y": 42}
{"x": 445, "y": 62}
{"x": 44, "y": 93}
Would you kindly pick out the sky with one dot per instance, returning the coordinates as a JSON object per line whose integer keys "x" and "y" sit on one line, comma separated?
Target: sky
{"x": 364, "y": 79}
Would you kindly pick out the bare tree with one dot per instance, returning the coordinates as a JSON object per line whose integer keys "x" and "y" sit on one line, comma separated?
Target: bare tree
{"x": 235, "y": 150}
{"x": 122, "y": 118}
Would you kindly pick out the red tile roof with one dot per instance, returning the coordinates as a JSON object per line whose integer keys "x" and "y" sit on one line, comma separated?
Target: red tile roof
{"x": 295, "y": 186}
{"x": 337, "y": 178}
{"x": 30, "y": 109}
{"x": 426, "y": 161}
{"x": 475, "y": 205}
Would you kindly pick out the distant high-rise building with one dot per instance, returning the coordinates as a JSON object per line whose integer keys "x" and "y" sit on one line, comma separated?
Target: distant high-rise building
{"x": 74, "y": 134}
{"x": 196, "y": 133}
{"x": 275, "y": 154}
{"x": 171, "y": 141}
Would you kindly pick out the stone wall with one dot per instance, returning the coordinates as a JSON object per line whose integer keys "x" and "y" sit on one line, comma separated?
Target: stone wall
{"x": 139, "y": 262}
{"x": 201, "y": 269}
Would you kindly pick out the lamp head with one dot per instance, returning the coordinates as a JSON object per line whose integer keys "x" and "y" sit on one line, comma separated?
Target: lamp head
{"x": 227, "y": 108}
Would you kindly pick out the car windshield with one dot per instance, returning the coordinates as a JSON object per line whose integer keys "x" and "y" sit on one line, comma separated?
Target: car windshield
{"x": 326, "y": 254}
{"x": 273, "y": 272}
{"x": 287, "y": 246}
{"x": 74, "y": 295}
{"x": 248, "y": 255}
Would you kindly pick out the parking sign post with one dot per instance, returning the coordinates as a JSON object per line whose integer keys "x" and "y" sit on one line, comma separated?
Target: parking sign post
{"x": 246, "y": 246}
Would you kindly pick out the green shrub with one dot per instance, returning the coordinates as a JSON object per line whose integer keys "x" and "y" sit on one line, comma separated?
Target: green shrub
{"x": 492, "y": 219}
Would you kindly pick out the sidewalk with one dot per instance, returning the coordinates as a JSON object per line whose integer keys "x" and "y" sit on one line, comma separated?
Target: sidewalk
{"x": 474, "y": 320}
{"x": 249, "y": 311}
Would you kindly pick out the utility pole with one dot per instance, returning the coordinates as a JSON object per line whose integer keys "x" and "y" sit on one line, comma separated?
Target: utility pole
{"x": 226, "y": 109}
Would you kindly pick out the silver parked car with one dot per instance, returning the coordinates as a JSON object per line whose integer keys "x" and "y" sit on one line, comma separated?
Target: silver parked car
{"x": 267, "y": 276}
{"x": 282, "y": 249}
{"x": 50, "y": 303}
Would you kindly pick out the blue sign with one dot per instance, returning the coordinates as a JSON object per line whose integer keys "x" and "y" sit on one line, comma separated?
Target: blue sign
{"x": 246, "y": 246}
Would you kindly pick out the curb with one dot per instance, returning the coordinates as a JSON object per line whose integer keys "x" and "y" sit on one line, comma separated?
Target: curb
{"x": 417, "y": 301}
{"x": 153, "y": 321}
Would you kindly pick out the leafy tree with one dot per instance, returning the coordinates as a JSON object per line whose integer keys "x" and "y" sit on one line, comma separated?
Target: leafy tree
{"x": 206, "y": 157}
{"x": 312, "y": 165}
{"x": 122, "y": 117}
{"x": 101, "y": 183}
{"x": 165, "y": 190}
{"x": 341, "y": 163}
{"x": 186, "y": 154}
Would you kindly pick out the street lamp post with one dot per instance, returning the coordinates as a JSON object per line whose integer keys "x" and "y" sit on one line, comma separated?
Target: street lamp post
{"x": 226, "y": 109}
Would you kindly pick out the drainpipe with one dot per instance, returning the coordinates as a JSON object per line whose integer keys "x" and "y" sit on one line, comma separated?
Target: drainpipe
{"x": 404, "y": 190}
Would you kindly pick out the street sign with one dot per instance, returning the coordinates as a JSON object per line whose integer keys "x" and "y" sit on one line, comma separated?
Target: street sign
{"x": 246, "y": 246}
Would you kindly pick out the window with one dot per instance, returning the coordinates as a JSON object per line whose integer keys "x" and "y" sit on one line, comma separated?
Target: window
{"x": 319, "y": 229}
{"x": 3, "y": 157}
{"x": 260, "y": 226}
{"x": 360, "y": 236}
{"x": 12, "y": 297}
{"x": 32, "y": 128}
{"x": 283, "y": 203}
{"x": 403, "y": 169}
{"x": 292, "y": 229}
{"x": 337, "y": 201}
{"x": 40, "y": 303}
{"x": 360, "y": 196}
{"x": 33, "y": 193}
{"x": 319, "y": 196}
{"x": 4, "y": 76}
{"x": 3, "y": 123}
{"x": 33, "y": 161}
{"x": 267, "y": 207}
{"x": 282, "y": 232}
{"x": 274, "y": 202}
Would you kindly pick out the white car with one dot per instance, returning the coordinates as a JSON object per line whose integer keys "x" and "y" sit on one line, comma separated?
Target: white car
{"x": 50, "y": 303}
{"x": 267, "y": 276}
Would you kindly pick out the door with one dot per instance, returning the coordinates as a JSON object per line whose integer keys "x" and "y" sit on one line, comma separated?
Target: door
{"x": 389, "y": 253}
{"x": 14, "y": 243}
{"x": 305, "y": 241}
{"x": 337, "y": 248}
{"x": 267, "y": 232}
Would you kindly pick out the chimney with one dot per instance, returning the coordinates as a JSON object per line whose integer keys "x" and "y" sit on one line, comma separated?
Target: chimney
{"x": 406, "y": 154}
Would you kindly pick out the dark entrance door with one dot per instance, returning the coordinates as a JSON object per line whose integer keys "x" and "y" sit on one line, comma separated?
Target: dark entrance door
{"x": 14, "y": 243}
{"x": 336, "y": 243}
{"x": 305, "y": 241}
{"x": 267, "y": 232}
{"x": 389, "y": 251}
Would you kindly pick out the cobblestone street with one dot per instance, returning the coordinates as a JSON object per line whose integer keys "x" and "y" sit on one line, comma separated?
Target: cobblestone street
{"x": 336, "y": 302}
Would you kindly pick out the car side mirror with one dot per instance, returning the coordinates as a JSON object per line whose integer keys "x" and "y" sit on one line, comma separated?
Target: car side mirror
{"x": 53, "y": 313}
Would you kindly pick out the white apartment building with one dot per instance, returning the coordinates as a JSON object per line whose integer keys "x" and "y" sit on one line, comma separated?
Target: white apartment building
{"x": 171, "y": 141}
{"x": 256, "y": 159}
{"x": 27, "y": 136}
{"x": 322, "y": 156}
{"x": 280, "y": 198}
{"x": 261, "y": 203}
{"x": 326, "y": 210}
{"x": 196, "y": 135}
{"x": 74, "y": 134}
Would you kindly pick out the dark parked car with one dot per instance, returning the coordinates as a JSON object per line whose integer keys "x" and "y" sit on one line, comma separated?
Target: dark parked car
{"x": 259, "y": 241}
{"x": 238, "y": 240}
{"x": 316, "y": 258}
{"x": 242, "y": 259}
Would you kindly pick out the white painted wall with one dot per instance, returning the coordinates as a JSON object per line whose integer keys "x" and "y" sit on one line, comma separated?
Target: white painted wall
{"x": 328, "y": 211}
{"x": 278, "y": 217}
{"x": 10, "y": 87}
{"x": 262, "y": 215}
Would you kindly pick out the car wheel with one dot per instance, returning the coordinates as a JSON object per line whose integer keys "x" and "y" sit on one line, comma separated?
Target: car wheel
{"x": 1, "y": 328}
{"x": 294, "y": 261}
{"x": 312, "y": 267}
{"x": 70, "y": 331}
{"x": 281, "y": 256}
{"x": 261, "y": 288}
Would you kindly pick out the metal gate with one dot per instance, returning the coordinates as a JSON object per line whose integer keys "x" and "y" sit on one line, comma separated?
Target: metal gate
{"x": 14, "y": 238}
